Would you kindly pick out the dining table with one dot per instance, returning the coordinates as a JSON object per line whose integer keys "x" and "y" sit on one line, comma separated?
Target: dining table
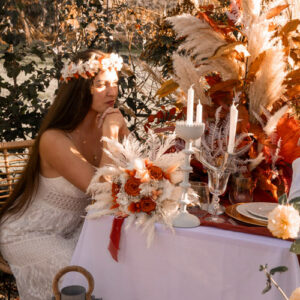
{"x": 203, "y": 262}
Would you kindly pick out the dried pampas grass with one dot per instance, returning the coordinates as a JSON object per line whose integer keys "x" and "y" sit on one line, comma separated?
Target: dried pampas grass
{"x": 251, "y": 11}
{"x": 201, "y": 40}
{"x": 228, "y": 68}
{"x": 268, "y": 84}
{"x": 186, "y": 75}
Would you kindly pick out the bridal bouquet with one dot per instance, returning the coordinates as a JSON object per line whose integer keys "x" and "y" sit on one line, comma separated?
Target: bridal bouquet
{"x": 142, "y": 184}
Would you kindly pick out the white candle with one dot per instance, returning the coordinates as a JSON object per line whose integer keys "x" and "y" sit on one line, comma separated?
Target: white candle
{"x": 232, "y": 127}
{"x": 199, "y": 113}
{"x": 190, "y": 106}
{"x": 198, "y": 120}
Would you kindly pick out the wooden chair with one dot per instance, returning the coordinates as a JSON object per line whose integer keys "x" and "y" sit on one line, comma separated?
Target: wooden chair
{"x": 13, "y": 158}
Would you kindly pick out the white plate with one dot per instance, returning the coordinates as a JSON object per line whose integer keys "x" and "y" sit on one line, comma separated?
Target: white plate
{"x": 244, "y": 209}
{"x": 261, "y": 209}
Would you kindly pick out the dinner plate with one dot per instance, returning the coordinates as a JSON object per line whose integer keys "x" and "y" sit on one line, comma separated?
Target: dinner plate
{"x": 261, "y": 209}
{"x": 256, "y": 210}
{"x": 242, "y": 209}
{"x": 231, "y": 211}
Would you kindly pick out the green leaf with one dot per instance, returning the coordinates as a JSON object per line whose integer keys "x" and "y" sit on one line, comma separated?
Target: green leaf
{"x": 267, "y": 288}
{"x": 294, "y": 200}
{"x": 279, "y": 269}
{"x": 283, "y": 199}
{"x": 295, "y": 247}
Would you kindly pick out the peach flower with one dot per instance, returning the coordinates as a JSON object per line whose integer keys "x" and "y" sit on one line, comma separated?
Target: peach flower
{"x": 284, "y": 222}
{"x": 295, "y": 294}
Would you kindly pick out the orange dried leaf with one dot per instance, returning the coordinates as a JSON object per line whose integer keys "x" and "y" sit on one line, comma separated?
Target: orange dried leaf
{"x": 225, "y": 86}
{"x": 293, "y": 91}
{"x": 293, "y": 74}
{"x": 255, "y": 65}
{"x": 275, "y": 11}
{"x": 288, "y": 129}
{"x": 290, "y": 26}
{"x": 211, "y": 22}
{"x": 296, "y": 40}
{"x": 266, "y": 185}
{"x": 167, "y": 88}
{"x": 225, "y": 49}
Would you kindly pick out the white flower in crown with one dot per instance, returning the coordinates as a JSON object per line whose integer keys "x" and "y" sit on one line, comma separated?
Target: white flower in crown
{"x": 80, "y": 67}
{"x": 65, "y": 72}
{"x": 91, "y": 67}
{"x": 112, "y": 62}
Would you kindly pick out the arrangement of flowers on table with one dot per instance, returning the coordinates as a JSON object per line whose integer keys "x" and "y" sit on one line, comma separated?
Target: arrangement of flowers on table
{"x": 250, "y": 48}
{"x": 142, "y": 185}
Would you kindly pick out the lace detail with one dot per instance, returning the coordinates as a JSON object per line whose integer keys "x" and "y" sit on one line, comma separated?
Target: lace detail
{"x": 41, "y": 241}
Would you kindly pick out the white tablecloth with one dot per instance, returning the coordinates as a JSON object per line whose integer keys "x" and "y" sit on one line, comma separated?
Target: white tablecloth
{"x": 197, "y": 263}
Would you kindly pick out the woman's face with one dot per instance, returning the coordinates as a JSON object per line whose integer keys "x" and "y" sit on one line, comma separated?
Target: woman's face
{"x": 104, "y": 90}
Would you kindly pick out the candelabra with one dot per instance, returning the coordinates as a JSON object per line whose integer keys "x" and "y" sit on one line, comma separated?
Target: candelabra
{"x": 189, "y": 133}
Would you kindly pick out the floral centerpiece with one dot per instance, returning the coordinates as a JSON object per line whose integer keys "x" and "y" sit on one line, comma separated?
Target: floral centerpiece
{"x": 250, "y": 48}
{"x": 142, "y": 185}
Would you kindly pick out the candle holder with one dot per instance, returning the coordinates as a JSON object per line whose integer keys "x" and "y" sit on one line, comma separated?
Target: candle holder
{"x": 189, "y": 133}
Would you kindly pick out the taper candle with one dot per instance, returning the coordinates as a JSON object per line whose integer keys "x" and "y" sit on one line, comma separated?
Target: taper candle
{"x": 199, "y": 113}
{"x": 190, "y": 106}
{"x": 232, "y": 127}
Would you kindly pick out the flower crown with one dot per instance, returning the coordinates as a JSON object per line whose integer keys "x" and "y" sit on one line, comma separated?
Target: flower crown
{"x": 91, "y": 67}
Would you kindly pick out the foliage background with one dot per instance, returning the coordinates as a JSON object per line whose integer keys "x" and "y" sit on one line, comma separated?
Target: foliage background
{"x": 38, "y": 36}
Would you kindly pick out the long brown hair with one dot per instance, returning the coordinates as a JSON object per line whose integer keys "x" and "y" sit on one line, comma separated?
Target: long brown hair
{"x": 71, "y": 104}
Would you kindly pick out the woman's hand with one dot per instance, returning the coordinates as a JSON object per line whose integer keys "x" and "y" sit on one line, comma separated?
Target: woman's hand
{"x": 113, "y": 124}
{"x": 114, "y": 127}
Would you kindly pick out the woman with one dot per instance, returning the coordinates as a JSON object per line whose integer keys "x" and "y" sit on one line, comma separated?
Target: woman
{"x": 40, "y": 222}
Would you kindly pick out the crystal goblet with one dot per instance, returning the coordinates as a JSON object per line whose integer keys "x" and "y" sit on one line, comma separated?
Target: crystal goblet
{"x": 217, "y": 183}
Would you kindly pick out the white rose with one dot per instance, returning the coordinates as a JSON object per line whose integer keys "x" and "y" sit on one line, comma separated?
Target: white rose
{"x": 284, "y": 222}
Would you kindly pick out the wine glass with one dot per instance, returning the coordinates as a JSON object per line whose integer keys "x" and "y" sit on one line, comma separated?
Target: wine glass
{"x": 241, "y": 189}
{"x": 202, "y": 191}
{"x": 217, "y": 183}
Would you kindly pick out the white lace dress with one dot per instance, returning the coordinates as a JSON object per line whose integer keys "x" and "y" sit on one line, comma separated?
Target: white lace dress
{"x": 41, "y": 242}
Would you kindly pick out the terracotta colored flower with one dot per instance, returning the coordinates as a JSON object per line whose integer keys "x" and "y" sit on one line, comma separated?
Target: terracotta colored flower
{"x": 155, "y": 172}
{"x": 116, "y": 205}
{"x": 131, "y": 173}
{"x": 284, "y": 222}
{"x": 134, "y": 207}
{"x": 147, "y": 205}
{"x": 132, "y": 186}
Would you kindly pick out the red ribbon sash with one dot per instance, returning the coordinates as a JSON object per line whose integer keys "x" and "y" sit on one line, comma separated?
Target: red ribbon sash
{"x": 115, "y": 236}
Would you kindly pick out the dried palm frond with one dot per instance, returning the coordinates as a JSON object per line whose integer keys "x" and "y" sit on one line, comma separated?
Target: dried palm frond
{"x": 268, "y": 85}
{"x": 259, "y": 39}
{"x": 251, "y": 10}
{"x": 228, "y": 68}
{"x": 196, "y": 31}
{"x": 273, "y": 120}
{"x": 186, "y": 75}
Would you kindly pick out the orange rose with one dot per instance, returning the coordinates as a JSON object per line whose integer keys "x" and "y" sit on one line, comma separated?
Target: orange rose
{"x": 147, "y": 205}
{"x": 155, "y": 172}
{"x": 132, "y": 186}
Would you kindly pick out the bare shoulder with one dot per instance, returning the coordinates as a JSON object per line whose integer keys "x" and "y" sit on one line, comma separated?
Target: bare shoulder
{"x": 53, "y": 138}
